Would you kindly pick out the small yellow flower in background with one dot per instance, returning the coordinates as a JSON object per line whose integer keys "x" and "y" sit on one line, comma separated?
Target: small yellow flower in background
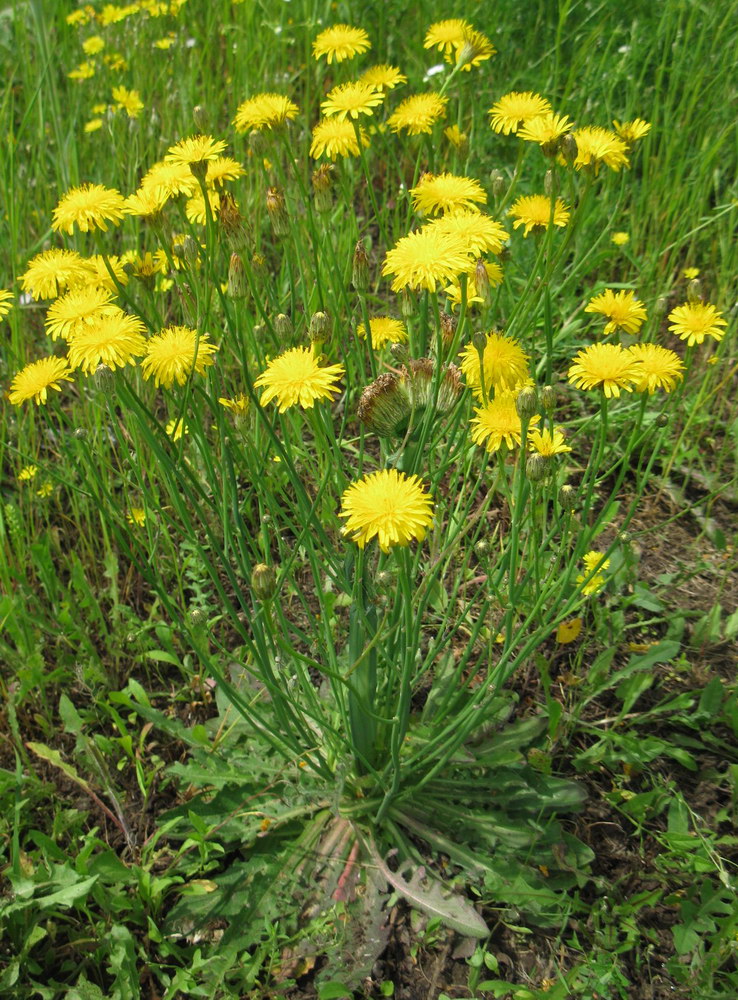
{"x": 620, "y": 239}
{"x": 690, "y": 273}
{"x": 85, "y": 71}
{"x": 505, "y": 364}
{"x": 694, "y": 321}
{"x": 176, "y": 428}
{"x": 136, "y": 516}
{"x": 605, "y": 366}
{"x": 569, "y": 631}
{"x": 424, "y": 258}
{"x": 34, "y": 381}
{"x": 455, "y": 136}
{"x": 336, "y": 137}
{"x": 295, "y": 378}
{"x": 93, "y": 125}
{"x": 383, "y": 77}
{"x": 80, "y": 16}
{"x": 418, "y": 114}
{"x": 592, "y": 580}
{"x": 533, "y": 211}
{"x": 384, "y": 330}
{"x": 51, "y": 271}
{"x": 479, "y": 232}
{"x": 114, "y": 339}
{"x": 622, "y": 309}
{"x": 351, "y": 100}
{"x": 195, "y": 150}
{"x": 239, "y": 404}
{"x": 27, "y": 473}
{"x": 264, "y": 111}
{"x": 498, "y": 423}
{"x": 164, "y": 43}
{"x": 196, "y": 211}
{"x": 6, "y": 302}
{"x": 596, "y": 145}
{"x": 446, "y": 35}
{"x": 115, "y": 62}
{"x": 128, "y": 101}
{"x": 548, "y": 443}
{"x": 514, "y": 110}
{"x": 45, "y": 490}
{"x": 547, "y": 130}
{"x": 660, "y": 367}
{"x": 88, "y": 207}
{"x": 340, "y": 42}
{"x": 442, "y": 193}
{"x": 91, "y": 46}
{"x": 389, "y": 506}
{"x": 630, "y": 132}
{"x": 76, "y": 308}
{"x": 175, "y": 353}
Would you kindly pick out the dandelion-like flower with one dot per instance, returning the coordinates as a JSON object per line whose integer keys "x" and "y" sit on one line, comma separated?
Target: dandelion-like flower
{"x": 480, "y": 232}
{"x": 476, "y": 48}
{"x": 455, "y": 136}
{"x": 536, "y": 212}
{"x": 384, "y": 330}
{"x": 597, "y": 145}
{"x": 175, "y": 353}
{"x": 136, "y": 516}
{"x": 27, "y": 473}
{"x": 498, "y": 423}
{"x": 147, "y": 203}
{"x": 349, "y": 100}
{"x": 622, "y": 309}
{"x": 6, "y": 302}
{"x": 592, "y": 580}
{"x": 425, "y": 258}
{"x": 340, "y": 42}
{"x": 694, "y": 321}
{"x": 88, "y": 207}
{"x": 418, "y": 113}
{"x": 196, "y": 210}
{"x": 34, "y": 381}
{"x": 197, "y": 150}
{"x": 442, "y": 193}
{"x": 239, "y": 404}
{"x": 383, "y": 77}
{"x": 222, "y": 169}
{"x": 97, "y": 272}
{"x": 336, "y": 137}
{"x": 690, "y": 273}
{"x": 296, "y": 379}
{"x": 505, "y": 364}
{"x": 605, "y": 366}
{"x": 547, "y": 443}
{"x": 75, "y": 309}
{"x": 660, "y": 367}
{"x": 128, "y": 101}
{"x": 176, "y": 428}
{"x": 171, "y": 178}
{"x": 114, "y": 339}
{"x": 631, "y": 132}
{"x": 264, "y": 111}
{"x": 389, "y": 506}
{"x": 547, "y": 130}
{"x": 514, "y": 110}
{"x": 51, "y": 271}
{"x": 446, "y": 36}
{"x": 620, "y": 239}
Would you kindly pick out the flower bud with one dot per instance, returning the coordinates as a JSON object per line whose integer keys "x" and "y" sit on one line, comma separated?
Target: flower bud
{"x": 264, "y": 581}
{"x": 200, "y": 118}
{"x": 568, "y": 148}
{"x": 483, "y": 548}
{"x": 231, "y": 222}
{"x": 694, "y": 290}
{"x": 360, "y": 269}
{"x": 197, "y": 617}
{"x": 322, "y": 183}
{"x": 481, "y": 282}
{"x": 548, "y": 397}
{"x": 283, "y": 328}
{"x": 199, "y": 169}
{"x": 191, "y": 250}
{"x": 448, "y": 328}
{"x": 237, "y": 284}
{"x": 526, "y": 403}
{"x": 497, "y": 183}
{"x": 568, "y": 497}
{"x": 384, "y": 578}
{"x": 277, "y": 211}
{"x": 104, "y": 378}
{"x": 80, "y": 433}
{"x": 549, "y": 183}
{"x": 662, "y": 420}
{"x": 258, "y": 265}
{"x": 320, "y": 326}
{"x": 257, "y": 143}
{"x": 537, "y": 467}
{"x": 479, "y": 342}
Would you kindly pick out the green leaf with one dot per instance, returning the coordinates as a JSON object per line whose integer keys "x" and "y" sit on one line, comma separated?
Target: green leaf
{"x": 54, "y": 758}
{"x": 333, "y": 990}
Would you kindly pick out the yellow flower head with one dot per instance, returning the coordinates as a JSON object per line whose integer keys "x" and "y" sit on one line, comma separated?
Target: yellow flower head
{"x": 196, "y": 210}
{"x": 660, "y": 367}
{"x": 75, "y": 309}
{"x": 514, "y": 110}
{"x": 175, "y": 428}
{"x": 88, "y": 207}
{"x": 351, "y": 100}
{"x": 418, "y": 113}
{"x": 136, "y": 516}
{"x": 239, "y": 405}
{"x": 51, "y": 271}
{"x": 114, "y": 339}
{"x": 505, "y": 364}
{"x": 498, "y": 423}
{"x": 622, "y": 309}
{"x": 195, "y": 150}
{"x": 6, "y": 302}
{"x": 690, "y": 273}
{"x": 597, "y": 145}
{"x": 147, "y": 202}
{"x": 389, "y": 506}
{"x": 27, "y": 473}
{"x": 98, "y": 275}
{"x": 34, "y": 381}
{"x": 631, "y": 132}
{"x": 605, "y": 366}
{"x": 455, "y": 136}
{"x": 548, "y": 443}
{"x": 336, "y": 137}
{"x": 442, "y": 193}
{"x": 446, "y": 36}
{"x": 264, "y": 111}
{"x": 620, "y": 239}
{"x": 128, "y": 101}
{"x": 92, "y": 45}
{"x": 694, "y": 321}
{"x": 479, "y": 232}
{"x": 222, "y": 169}
{"x": 536, "y": 212}
{"x": 296, "y": 379}
{"x": 384, "y": 330}
{"x": 340, "y": 42}
{"x": 592, "y": 580}
{"x": 383, "y": 77}
{"x": 424, "y": 258}
{"x": 473, "y": 50}
{"x": 175, "y": 353}
{"x": 547, "y": 130}
{"x": 170, "y": 178}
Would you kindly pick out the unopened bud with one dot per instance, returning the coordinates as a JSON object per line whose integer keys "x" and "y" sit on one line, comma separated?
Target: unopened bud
{"x": 662, "y": 420}
{"x": 360, "y": 270}
{"x": 257, "y": 143}
{"x": 407, "y": 304}
{"x": 319, "y": 328}
{"x": 191, "y": 250}
{"x": 231, "y": 222}
{"x": 548, "y": 397}
{"x": 568, "y": 147}
{"x": 177, "y": 250}
{"x": 283, "y": 328}
{"x": 200, "y": 118}
{"x": 526, "y": 403}
{"x": 322, "y": 183}
{"x": 264, "y": 581}
{"x": 497, "y": 183}
{"x": 537, "y": 467}
{"x": 448, "y": 328}
{"x": 625, "y": 537}
{"x": 481, "y": 281}
{"x": 479, "y": 341}
{"x": 197, "y": 617}
{"x": 400, "y": 353}
{"x": 103, "y": 377}
{"x": 258, "y": 265}
{"x": 199, "y": 169}
{"x": 568, "y": 497}
{"x": 277, "y": 211}
{"x": 237, "y": 284}
{"x": 482, "y": 549}
{"x": 80, "y": 433}
{"x": 549, "y": 183}
{"x": 384, "y": 578}
{"x": 694, "y": 290}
